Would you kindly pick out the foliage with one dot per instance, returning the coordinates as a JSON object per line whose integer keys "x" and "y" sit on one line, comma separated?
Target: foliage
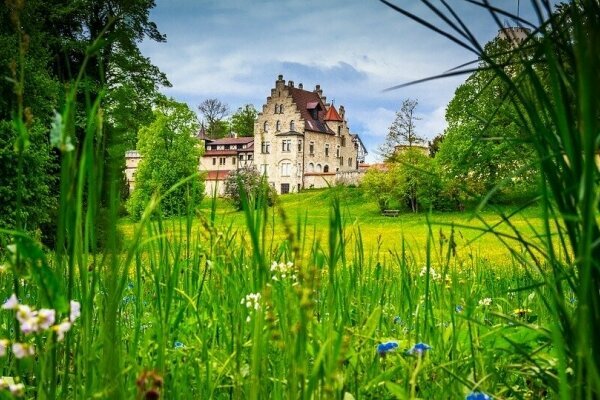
{"x": 242, "y": 121}
{"x": 378, "y": 184}
{"x": 485, "y": 146}
{"x": 246, "y": 184}
{"x": 417, "y": 180}
{"x": 403, "y": 129}
{"x": 434, "y": 145}
{"x": 213, "y": 111}
{"x": 170, "y": 154}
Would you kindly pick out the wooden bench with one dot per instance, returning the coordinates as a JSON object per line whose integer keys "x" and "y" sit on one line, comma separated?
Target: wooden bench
{"x": 390, "y": 213}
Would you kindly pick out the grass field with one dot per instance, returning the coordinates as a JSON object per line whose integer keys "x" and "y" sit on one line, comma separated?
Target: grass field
{"x": 311, "y": 211}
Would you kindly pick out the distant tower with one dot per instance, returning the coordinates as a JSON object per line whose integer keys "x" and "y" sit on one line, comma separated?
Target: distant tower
{"x": 514, "y": 34}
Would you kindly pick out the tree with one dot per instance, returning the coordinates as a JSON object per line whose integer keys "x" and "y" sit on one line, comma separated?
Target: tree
{"x": 485, "y": 148}
{"x": 170, "y": 154}
{"x": 249, "y": 183}
{"x": 402, "y": 131}
{"x": 379, "y": 184}
{"x": 434, "y": 145}
{"x": 213, "y": 111}
{"x": 242, "y": 121}
{"x": 417, "y": 180}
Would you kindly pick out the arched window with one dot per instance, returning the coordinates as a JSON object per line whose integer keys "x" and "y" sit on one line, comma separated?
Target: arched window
{"x": 278, "y": 126}
{"x": 281, "y": 109}
{"x": 319, "y": 169}
{"x": 326, "y": 168}
{"x": 311, "y": 167}
{"x": 265, "y": 126}
{"x": 276, "y": 109}
{"x": 292, "y": 126}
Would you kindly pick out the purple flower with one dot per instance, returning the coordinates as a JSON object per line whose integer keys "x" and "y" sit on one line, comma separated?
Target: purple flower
{"x": 384, "y": 348}
{"x": 419, "y": 348}
{"x": 478, "y": 396}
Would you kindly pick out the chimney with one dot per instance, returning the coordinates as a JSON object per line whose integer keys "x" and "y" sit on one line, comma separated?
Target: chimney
{"x": 318, "y": 90}
{"x": 342, "y": 111}
{"x": 280, "y": 77}
{"x": 324, "y": 98}
{"x": 300, "y": 86}
{"x": 291, "y": 83}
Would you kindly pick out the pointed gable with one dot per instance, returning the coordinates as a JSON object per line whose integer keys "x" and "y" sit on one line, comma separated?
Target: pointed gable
{"x": 332, "y": 115}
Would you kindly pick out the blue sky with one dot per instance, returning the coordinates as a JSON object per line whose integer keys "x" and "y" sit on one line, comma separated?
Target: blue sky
{"x": 234, "y": 49}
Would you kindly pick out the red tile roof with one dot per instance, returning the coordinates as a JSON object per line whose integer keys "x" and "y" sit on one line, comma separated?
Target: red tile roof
{"x": 305, "y": 101}
{"x": 238, "y": 140}
{"x": 332, "y": 115}
{"x": 220, "y": 152}
{"x": 217, "y": 175}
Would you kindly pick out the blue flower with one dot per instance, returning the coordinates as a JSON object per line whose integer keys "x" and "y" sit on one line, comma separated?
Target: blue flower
{"x": 419, "y": 349}
{"x": 398, "y": 320}
{"x": 178, "y": 345}
{"x": 478, "y": 396}
{"x": 459, "y": 308}
{"x": 384, "y": 348}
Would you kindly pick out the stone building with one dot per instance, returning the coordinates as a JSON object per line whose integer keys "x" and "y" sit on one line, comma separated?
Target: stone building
{"x": 301, "y": 141}
{"x": 132, "y": 160}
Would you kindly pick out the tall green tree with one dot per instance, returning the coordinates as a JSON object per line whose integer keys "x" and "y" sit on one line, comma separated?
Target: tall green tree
{"x": 242, "y": 121}
{"x": 214, "y": 111}
{"x": 403, "y": 130}
{"x": 484, "y": 147}
{"x": 170, "y": 154}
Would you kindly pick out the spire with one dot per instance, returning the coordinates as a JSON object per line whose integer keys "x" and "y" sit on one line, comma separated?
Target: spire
{"x": 332, "y": 115}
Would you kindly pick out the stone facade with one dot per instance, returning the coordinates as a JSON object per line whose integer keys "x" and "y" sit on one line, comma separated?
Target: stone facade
{"x": 132, "y": 160}
{"x": 301, "y": 141}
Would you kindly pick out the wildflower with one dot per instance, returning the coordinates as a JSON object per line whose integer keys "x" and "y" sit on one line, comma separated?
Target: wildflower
{"x": 22, "y": 350}
{"x": 419, "y": 348}
{"x": 46, "y": 318}
{"x": 521, "y": 312}
{"x": 485, "y": 302}
{"x": 252, "y": 300}
{"x": 178, "y": 345}
{"x": 384, "y": 348}
{"x": 459, "y": 308}
{"x": 61, "y": 329}
{"x": 75, "y": 311}
{"x": 432, "y": 273}
{"x": 282, "y": 271}
{"x": 3, "y": 346}
{"x": 28, "y": 319}
{"x": 17, "y": 389}
{"x": 11, "y": 303}
{"x": 478, "y": 396}
{"x": 398, "y": 320}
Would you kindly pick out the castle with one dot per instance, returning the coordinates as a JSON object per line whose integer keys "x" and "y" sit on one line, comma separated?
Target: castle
{"x": 300, "y": 141}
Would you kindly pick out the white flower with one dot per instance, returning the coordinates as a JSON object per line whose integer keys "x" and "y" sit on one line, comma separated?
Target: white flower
{"x": 3, "y": 346}
{"x": 282, "y": 270}
{"x": 28, "y": 319}
{"x": 432, "y": 273}
{"x": 46, "y": 318}
{"x": 11, "y": 303}
{"x": 21, "y": 350}
{"x": 61, "y": 329}
{"x": 252, "y": 300}
{"x": 17, "y": 390}
{"x": 485, "y": 302}
{"x": 75, "y": 310}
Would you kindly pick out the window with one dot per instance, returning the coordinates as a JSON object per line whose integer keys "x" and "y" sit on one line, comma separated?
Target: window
{"x": 241, "y": 157}
{"x": 286, "y": 168}
{"x": 250, "y": 156}
{"x": 343, "y": 141}
{"x": 326, "y": 150}
{"x": 263, "y": 169}
{"x": 265, "y": 147}
{"x": 281, "y": 109}
{"x": 350, "y": 162}
{"x": 319, "y": 169}
{"x": 341, "y": 161}
{"x": 339, "y": 130}
{"x": 337, "y": 153}
{"x": 214, "y": 160}
{"x": 311, "y": 167}
{"x": 311, "y": 148}
{"x": 265, "y": 126}
{"x": 278, "y": 126}
{"x": 326, "y": 168}
{"x": 276, "y": 109}
{"x": 285, "y": 188}
{"x": 233, "y": 160}
{"x": 299, "y": 170}
{"x": 286, "y": 145}
{"x": 292, "y": 126}
{"x": 299, "y": 145}
{"x": 222, "y": 160}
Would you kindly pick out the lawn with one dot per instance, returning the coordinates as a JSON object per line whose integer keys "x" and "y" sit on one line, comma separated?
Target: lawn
{"x": 311, "y": 211}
